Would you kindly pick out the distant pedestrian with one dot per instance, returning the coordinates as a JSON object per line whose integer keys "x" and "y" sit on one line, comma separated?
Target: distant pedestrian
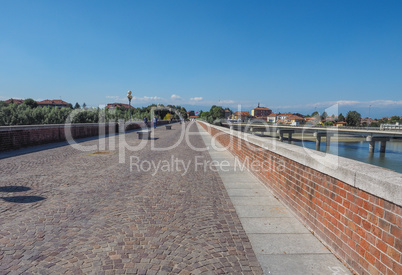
{"x": 155, "y": 121}
{"x": 146, "y": 121}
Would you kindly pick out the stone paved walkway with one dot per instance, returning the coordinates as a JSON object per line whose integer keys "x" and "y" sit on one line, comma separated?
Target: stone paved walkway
{"x": 68, "y": 211}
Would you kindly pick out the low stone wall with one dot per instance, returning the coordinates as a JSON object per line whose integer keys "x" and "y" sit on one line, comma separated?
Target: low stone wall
{"x": 352, "y": 207}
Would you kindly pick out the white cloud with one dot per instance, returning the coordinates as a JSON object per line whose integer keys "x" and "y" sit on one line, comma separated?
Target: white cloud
{"x": 115, "y": 98}
{"x": 386, "y": 102}
{"x": 175, "y": 97}
{"x": 196, "y": 98}
{"x": 226, "y": 101}
{"x": 373, "y": 103}
{"x": 140, "y": 99}
{"x": 147, "y": 98}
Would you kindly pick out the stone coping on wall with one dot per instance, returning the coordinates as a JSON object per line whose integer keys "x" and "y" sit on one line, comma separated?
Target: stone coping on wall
{"x": 48, "y": 126}
{"x": 381, "y": 182}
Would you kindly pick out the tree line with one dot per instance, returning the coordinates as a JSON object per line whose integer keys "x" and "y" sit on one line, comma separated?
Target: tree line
{"x": 29, "y": 113}
{"x": 353, "y": 118}
{"x": 215, "y": 113}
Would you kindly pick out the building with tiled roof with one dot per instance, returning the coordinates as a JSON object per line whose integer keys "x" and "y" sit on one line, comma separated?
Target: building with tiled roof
{"x": 14, "y": 100}
{"x": 241, "y": 115}
{"x": 293, "y": 120}
{"x": 53, "y": 103}
{"x": 262, "y": 112}
{"x": 340, "y": 123}
{"x": 285, "y": 115}
{"x": 228, "y": 113}
{"x": 119, "y": 105}
{"x": 273, "y": 117}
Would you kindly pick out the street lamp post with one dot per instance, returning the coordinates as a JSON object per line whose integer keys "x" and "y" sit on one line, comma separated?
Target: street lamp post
{"x": 129, "y": 96}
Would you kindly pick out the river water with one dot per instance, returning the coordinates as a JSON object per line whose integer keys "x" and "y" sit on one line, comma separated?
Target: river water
{"x": 391, "y": 159}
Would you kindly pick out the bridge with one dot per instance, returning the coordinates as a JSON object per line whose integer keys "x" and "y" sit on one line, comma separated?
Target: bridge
{"x": 372, "y": 135}
{"x": 194, "y": 199}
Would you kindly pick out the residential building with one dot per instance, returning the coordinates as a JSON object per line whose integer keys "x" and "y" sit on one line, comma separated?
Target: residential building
{"x": 294, "y": 120}
{"x": 13, "y": 100}
{"x": 367, "y": 121}
{"x": 119, "y": 105}
{"x": 273, "y": 117}
{"x": 53, "y": 103}
{"x": 228, "y": 113}
{"x": 190, "y": 113}
{"x": 340, "y": 123}
{"x": 241, "y": 115}
{"x": 284, "y": 116}
{"x": 312, "y": 120}
{"x": 261, "y": 112}
{"x": 298, "y": 114}
{"x": 44, "y": 103}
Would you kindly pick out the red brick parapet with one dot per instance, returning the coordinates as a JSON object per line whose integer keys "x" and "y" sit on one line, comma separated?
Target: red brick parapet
{"x": 16, "y": 137}
{"x": 352, "y": 207}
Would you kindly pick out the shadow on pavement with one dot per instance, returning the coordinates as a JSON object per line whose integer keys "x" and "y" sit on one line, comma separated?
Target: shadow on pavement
{"x": 14, "y": 189}
{"x": 23, "y": 199}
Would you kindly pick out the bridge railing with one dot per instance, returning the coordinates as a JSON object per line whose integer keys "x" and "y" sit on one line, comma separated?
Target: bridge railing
{"x": 381, "y": 128}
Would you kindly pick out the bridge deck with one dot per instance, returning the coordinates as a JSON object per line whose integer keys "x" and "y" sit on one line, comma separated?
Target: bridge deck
{"x": 65, "y": 210}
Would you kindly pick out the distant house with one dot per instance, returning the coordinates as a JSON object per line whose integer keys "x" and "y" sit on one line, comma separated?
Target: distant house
{"x": 298, "y": 114}
{"x": 284, "y": 116}
{"x": 228, "y": 113}
{"x": 241, "y": 115}
{"x": 273, "y": 117}
{"x": 367, "y": 121}
{"x": 190, "y": 113}
{"x": 13, "y": 100}
{"x": 119, "y": 105}
{"x": 340, "y": 123}
{"x": 193, "y": 117}
{"x": 44, "y": 103}
{"x": 294, "y": 120}
{"x": 312, "y": 120}
{"x": 261, "y": 112}
{"x": 53, "y": 103}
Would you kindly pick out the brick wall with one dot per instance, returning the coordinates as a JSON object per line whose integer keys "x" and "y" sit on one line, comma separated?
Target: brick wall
{"x": 361, "y": 229}
{"x": 16, "y": 137}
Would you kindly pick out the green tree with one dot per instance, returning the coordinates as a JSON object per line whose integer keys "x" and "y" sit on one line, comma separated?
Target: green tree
{"x": 341, "y": 117}
{"x": 217, "y": 112}
{"x": 77, "y": 106}
{"x": 395, "y": 119}
{"x": 353, "y": 118}
{"x": 324, "y": 116}
{"x": 31, "y": 103}
{"x": 84, "y": 105}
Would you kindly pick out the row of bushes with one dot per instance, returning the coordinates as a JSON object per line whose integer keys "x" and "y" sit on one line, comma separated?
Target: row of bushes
{"x": 28, "y": 114}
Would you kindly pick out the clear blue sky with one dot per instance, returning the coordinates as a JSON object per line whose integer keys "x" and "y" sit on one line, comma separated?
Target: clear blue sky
{"x": 288, "y": 55}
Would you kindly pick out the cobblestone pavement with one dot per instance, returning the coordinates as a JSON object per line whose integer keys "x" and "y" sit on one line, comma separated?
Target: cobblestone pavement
{"x": 67, "y": 211}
